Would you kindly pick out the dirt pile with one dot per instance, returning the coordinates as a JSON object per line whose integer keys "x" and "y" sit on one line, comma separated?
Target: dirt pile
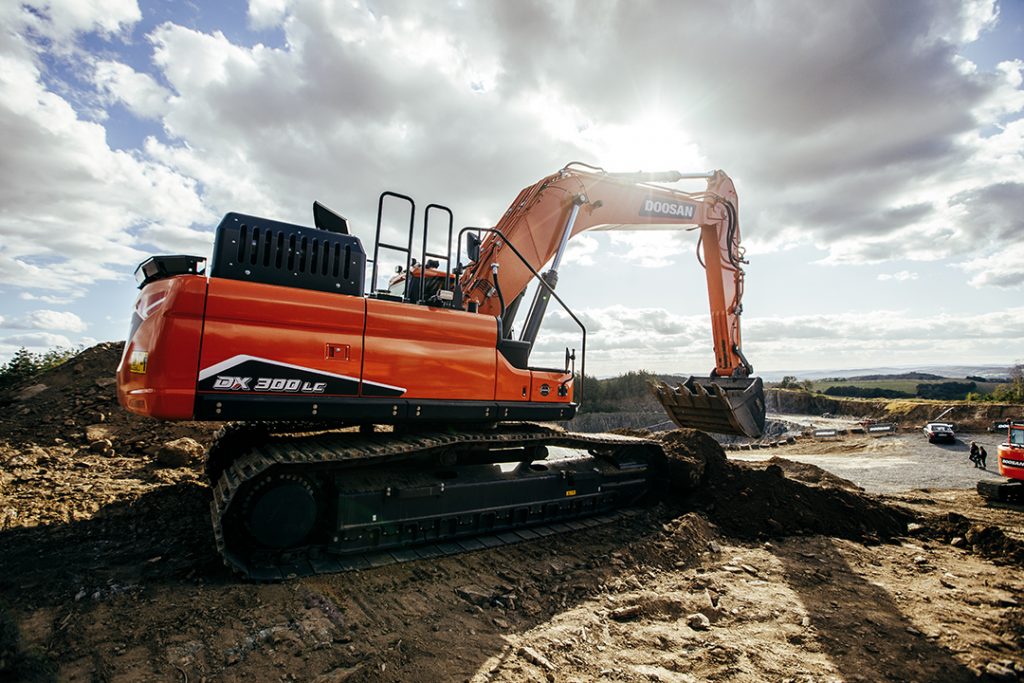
{"x": 811, "y": 474}
{"x": 75, "y": 404}
{"x": 68, "y": 451}
{"x": 775, "y": 498}
{"x": 983, "y": 539}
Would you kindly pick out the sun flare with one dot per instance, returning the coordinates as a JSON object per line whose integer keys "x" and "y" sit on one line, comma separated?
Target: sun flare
{"x": 653, "y": 141}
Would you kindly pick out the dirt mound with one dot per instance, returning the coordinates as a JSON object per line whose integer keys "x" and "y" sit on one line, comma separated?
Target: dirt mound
{"x": 75, "y": 404}
{"x": 693, "y": 457}
{"x": 811, "y": 474}
{"x": 983, "y": 539}
{"x": 774, "y": 498}
{"x": 69, "y": 451}
{"x": 752, "y": 500}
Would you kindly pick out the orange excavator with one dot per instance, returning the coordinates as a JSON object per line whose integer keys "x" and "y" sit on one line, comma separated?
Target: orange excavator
{"x": 1010, "y": 462}
{"x": 375, "y": 426}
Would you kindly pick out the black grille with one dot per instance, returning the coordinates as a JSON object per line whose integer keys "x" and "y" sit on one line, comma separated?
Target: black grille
{"x": 274, "y": 253}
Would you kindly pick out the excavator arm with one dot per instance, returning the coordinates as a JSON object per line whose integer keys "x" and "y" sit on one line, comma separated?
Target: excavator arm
{"x": 546, "y": 215}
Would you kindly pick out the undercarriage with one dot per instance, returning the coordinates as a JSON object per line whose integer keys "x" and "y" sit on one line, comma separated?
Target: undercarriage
{"x": 291, "y": 503}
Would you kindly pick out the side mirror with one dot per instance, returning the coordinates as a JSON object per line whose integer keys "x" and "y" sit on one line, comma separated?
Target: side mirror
{"x": 473, "y": 246}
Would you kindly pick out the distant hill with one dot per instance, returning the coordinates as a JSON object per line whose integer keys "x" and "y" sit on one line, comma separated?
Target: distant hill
{"x": 902, "y": 375}
{"x": 942, "y": 371}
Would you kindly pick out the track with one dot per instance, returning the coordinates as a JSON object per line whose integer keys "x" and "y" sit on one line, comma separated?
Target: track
{"x": 377, "y": 498}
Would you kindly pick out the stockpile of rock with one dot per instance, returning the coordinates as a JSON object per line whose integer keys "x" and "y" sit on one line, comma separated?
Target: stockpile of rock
{"x": 75, "y": 405}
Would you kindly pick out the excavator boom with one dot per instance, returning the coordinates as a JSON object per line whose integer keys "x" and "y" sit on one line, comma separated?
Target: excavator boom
{"x": 546, "y": 215}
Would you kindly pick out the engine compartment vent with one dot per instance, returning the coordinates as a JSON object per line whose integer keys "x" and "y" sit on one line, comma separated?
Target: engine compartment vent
{"x": 257, "y": 249}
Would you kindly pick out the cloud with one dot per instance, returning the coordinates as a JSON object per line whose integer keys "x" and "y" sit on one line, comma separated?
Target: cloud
{"x": 33, "y": 340}
{"x": 997, "y": 210}
{"x": 581, "y": 250}
{"x": 267, "y": 13}
{"x": 860, "y": 130}
{"x": 74, "y": 207}
{"x": 1004, "y": 268}
{"x": 52, "y": 299}
{"x": 60, "y": 20}
{"x": 138, "y": 91}
{"x": 45, "y": 319}
{"x": 651, "y": 249}
{"x": 658, "y": 340}
{"x": 850, "y": 154}
{"x": 901, "y": 276}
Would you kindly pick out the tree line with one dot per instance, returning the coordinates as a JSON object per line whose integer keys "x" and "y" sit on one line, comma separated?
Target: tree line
{"x": 1010, "y": 391}
{"x": 24, "y": 364}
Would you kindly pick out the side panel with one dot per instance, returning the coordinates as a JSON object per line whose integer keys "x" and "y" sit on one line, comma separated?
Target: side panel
{"x": 539, "y": 386}
{"x": 166, "y": 328}
{"x": 550, "y": 386}
{"x": 1011, "y": 461}
{"x": 511, "y": 383}
{"x": 431, "y": 353}
{"x": 269, "y": 340}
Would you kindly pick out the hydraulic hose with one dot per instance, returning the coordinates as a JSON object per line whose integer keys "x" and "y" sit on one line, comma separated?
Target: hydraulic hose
{"x": 497, "y": 288}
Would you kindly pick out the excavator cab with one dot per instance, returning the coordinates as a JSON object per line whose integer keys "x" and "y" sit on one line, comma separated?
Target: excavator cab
{"x": 422, "y": 284}
{"x": 724, "y": 405}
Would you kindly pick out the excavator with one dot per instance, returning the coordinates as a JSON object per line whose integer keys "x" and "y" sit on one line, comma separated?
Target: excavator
{"x": 366, "y": 424}
{"x": 1010, "y": 462}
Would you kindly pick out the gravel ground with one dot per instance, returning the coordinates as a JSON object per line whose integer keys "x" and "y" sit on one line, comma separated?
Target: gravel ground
{"x": 764, "y": 571}
{"x": 891, "y": 464}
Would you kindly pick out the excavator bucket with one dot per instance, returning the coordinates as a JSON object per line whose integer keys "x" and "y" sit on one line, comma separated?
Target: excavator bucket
{"x": 723, "y": 405}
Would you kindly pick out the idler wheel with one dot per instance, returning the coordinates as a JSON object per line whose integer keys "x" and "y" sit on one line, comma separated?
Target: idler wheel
{"x": 281, "y": 510}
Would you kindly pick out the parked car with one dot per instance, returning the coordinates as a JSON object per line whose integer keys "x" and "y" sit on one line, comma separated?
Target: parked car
{"x": 1000, "y": 426}
{"x": 940, "y": 432}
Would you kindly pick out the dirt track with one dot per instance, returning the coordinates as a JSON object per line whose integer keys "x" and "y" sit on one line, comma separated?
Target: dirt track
{"x": 891, "y": 464}
{"x": 109, "y": 573}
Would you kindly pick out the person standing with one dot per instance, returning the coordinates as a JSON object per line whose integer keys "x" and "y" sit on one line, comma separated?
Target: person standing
{"x": 982, "y": 455}
{"x": 974, "y": 453}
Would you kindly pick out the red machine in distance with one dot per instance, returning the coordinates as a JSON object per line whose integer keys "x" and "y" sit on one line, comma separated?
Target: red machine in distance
{"x": 280, "y": 330}
{"x": 1010, "y": 461}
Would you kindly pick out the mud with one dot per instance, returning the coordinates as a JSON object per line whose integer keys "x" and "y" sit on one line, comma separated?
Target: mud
{"x": 743, "y": 571}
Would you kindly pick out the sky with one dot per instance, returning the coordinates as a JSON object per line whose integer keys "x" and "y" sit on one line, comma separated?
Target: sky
{"x": 877, "y": 149}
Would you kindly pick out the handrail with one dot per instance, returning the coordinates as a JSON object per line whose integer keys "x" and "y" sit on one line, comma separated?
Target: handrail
{"x": 447, "y": 256}
{"x": 377, "y": 244}
{"x": 583, "y": 329}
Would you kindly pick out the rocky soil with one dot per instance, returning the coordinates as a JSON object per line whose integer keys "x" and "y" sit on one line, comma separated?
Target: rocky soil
{"x": 745, "y": 571}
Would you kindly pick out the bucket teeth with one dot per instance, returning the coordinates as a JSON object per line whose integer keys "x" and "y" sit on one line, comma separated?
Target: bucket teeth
{"x": 723, "y": 405}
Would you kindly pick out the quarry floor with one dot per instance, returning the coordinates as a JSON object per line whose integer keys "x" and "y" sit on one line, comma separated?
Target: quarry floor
{"x": 772, "y": 571}
{"x": 892, "y": 463}
{"x": 131, "y": 589}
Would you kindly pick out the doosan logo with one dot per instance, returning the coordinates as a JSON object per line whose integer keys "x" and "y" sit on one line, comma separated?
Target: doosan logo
{"x": 668, "y": 209}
